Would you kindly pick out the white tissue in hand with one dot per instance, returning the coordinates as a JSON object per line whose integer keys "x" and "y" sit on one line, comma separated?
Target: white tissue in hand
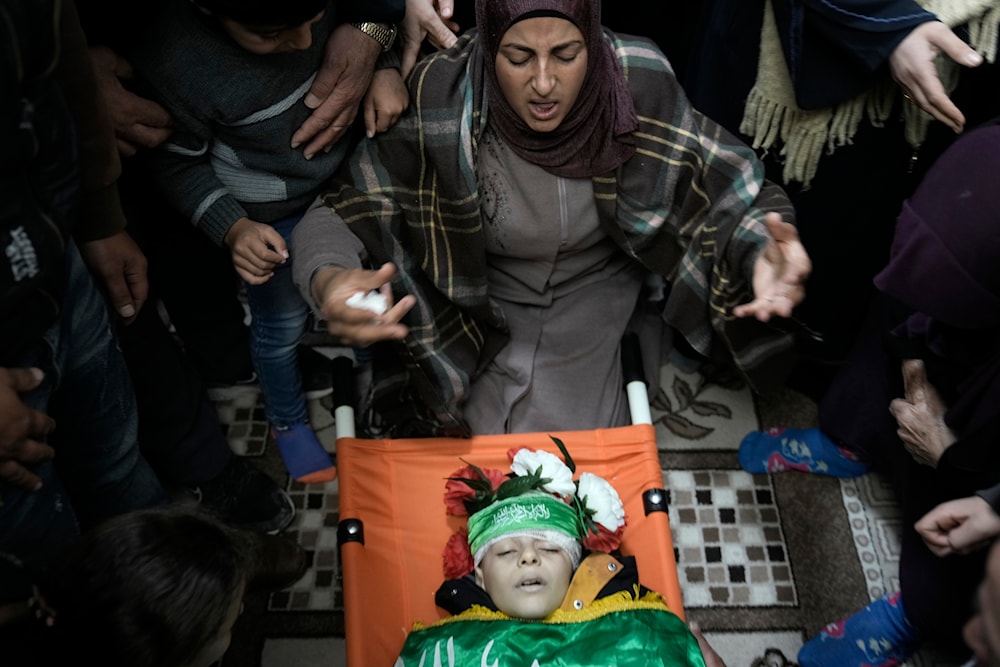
{"x": 372, "y": 301}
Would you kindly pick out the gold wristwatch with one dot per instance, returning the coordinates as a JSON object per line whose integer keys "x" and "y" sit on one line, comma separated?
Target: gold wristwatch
{"x": 383, "y": 33}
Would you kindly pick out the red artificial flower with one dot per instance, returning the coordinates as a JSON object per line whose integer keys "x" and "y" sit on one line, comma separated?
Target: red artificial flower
{"x": 457, "y": 556}
{"x": 603, "y": 540}
{"x": 456, "y": 492}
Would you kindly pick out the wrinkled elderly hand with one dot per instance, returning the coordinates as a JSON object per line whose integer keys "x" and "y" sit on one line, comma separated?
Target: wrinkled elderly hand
{"x": 137, "y": 120}
{"x": 959, "y": 526}
{"x": 913, "y": 68}
{"x": 920, "y": 415}
{"x": 22, "y": 429}
{"x": 333, "y": 286}
{"x": 779, "y": 273}
{"x": 424, "y": 20}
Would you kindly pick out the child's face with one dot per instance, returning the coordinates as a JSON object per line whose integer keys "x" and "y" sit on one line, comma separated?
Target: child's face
{"x": 527, "y": 577}
{"x": 265, "y": 40}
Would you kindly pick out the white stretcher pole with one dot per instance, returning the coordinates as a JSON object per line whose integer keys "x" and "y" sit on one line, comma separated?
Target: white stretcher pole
{"x": 343, "y": 396}
{"x": 635, "y": 380}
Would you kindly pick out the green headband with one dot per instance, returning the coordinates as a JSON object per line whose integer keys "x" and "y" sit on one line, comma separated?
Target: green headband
{"x": 532, "y": 513}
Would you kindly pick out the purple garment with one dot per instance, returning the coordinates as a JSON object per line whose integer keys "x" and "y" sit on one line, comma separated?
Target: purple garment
{"x": 595, "y": 137}
{"x": 945, "y": 269}
{"x": 945, "y": 258}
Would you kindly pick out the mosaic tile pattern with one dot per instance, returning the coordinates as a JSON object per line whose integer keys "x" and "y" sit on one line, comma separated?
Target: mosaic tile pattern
{"x": 315, "y": 528}
{"x": 316, "y": 516}
{"x": 244, "y": 423}
{"x": 730, "y": 548}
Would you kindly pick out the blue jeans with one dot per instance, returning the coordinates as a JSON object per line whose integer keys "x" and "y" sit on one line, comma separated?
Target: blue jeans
{"x": 97, "y": 471}
{"x": 278, "y": 318}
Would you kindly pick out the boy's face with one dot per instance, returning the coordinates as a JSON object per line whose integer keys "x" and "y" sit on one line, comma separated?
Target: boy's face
{"x": 265, "y": 40}
{"x": 527, "y": 577}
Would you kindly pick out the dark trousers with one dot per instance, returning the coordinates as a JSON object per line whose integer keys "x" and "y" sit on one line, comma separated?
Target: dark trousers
{"x": 179, "y": 430}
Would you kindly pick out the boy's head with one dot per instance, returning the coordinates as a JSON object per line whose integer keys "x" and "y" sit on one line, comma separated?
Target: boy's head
{"x": 264, "y": 27}
{"x": 525, "y": 550}
{"x": 160, "y": 587}
{"x": 527, "y": 530}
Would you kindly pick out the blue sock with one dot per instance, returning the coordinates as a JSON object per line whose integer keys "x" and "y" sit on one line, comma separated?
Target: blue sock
{"x": 304, "y": 456}
{"x": 877, "y": 636}
{"x": 808, "y": 450}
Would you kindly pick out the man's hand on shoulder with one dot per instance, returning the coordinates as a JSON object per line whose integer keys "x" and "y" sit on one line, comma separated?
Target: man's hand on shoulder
{"x": 336, "y": 93}
{"x": 138, "y": 122}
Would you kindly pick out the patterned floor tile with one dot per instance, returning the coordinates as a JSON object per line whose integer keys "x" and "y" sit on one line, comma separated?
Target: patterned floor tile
{"x": 728, "y": 538}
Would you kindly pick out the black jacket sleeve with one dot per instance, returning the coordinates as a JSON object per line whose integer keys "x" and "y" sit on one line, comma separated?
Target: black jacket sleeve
{"x": 376, "y": 11}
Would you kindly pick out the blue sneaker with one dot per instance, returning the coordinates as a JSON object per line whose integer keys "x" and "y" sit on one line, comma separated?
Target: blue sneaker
{"x": 304, "y": 456}
{"x": 806, "y": 450}
{"x": 877, "y": 636}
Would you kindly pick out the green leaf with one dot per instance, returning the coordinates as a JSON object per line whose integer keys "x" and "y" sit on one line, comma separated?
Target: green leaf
{"x": 474, "y": 484}
{"x": 517, "y": 486}
{"x": 566, "y": 457}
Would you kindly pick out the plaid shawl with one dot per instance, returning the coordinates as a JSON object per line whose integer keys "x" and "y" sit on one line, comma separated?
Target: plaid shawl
{"x": 688, "y": 205}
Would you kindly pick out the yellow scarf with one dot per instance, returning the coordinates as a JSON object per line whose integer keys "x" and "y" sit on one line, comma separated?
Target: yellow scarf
{"x": 771, "y": 116}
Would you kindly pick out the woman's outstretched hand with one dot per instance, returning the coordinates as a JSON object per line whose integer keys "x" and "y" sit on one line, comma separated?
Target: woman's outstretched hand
{"x": 779, "y": 274}
{"x": 356, "y": 326}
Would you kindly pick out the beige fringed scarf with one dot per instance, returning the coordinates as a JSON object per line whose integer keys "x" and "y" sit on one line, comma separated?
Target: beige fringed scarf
{"x": 771, "y": 115}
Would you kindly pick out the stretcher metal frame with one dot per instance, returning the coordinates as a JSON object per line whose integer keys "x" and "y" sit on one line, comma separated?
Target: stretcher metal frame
{"x": 393, "y": 528}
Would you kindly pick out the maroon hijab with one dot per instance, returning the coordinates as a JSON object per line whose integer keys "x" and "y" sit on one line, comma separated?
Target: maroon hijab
{"x": 595, "y": 136}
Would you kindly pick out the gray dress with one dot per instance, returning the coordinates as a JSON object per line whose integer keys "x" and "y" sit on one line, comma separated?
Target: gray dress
{"x": 568, "y": 293}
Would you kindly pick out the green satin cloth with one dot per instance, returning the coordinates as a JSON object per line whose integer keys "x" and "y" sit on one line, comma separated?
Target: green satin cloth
{"x": 611, "y": 632}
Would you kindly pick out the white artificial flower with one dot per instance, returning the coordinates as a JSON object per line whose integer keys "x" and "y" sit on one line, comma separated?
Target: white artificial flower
{"x": 527, "y": 462}
{"x": 598, "y": 495}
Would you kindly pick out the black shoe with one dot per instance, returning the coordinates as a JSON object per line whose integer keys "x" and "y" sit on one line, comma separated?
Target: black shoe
{"x": 246, "y": 497}
{"x": 278, "y": 562}
{"x": 317, "y": 372}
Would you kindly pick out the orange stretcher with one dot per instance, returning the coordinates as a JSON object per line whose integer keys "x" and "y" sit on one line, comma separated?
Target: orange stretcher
{"x": 393, "y": 527}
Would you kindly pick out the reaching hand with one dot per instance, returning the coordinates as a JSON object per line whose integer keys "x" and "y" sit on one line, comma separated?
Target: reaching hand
{"x": 137, "y": 120}
{"x": 779, "y": 274}
{"x": 959, "y": 526}
{"x": 121, "y": 266}
{"x": 335, "y": 95}
{"x": 22, "y": 429}
{"x": 920, "y": 415}
{"x": 913, "y": 68}
{"x": 333, "y": 286}
{"x": 423, "y": 20}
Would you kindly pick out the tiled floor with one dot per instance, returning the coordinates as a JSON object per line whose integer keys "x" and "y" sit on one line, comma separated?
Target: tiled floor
{"x": 728, "y": 539}
{"x": 732, "y": 554}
